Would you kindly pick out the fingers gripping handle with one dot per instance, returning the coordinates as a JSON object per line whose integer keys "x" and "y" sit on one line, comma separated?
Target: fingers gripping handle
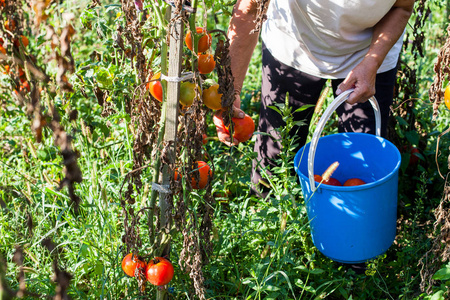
{"x": 321, "y": 124}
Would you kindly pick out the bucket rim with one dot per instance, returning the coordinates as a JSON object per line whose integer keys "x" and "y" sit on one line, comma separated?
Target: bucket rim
{"x": 368, "y": 185}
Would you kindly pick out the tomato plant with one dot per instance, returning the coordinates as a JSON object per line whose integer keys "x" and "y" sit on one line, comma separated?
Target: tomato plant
{"x": 204, "y": 41}
{"x": 155, "y": 87}
{"x": 130, "y": 263}
{"x": 187, "y": 93}
{"x": 211, "y": 98}
{"x": 354, "y": 182}
{"x": 206, "y": 63}
{"x": 159, "y": 271}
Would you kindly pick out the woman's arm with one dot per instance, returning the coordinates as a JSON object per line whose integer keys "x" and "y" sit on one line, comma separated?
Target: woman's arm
{"x": 385, "y": 34}
{"x": 242, "y": 43}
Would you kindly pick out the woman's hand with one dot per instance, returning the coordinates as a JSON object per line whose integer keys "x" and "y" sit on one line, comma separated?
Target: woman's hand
{"x": 222, "y": 133}
{"x": 362, "y": 80}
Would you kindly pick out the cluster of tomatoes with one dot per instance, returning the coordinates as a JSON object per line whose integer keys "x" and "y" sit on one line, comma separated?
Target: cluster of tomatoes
{"x": 158, "y": 271}
{"x": 243, "y": 128}
{"x": 336, "y": 182}
{"x": 206, "y": 64}
{"x": 17, "y": 73}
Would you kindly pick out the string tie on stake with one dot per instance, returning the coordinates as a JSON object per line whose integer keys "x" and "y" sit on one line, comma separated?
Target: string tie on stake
{"x": 184, "y": 76}
{"x": 160, "y": 188}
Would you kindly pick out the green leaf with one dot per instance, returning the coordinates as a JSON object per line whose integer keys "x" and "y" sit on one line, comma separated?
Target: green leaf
{"x": 412, "y": 137}
{"x": 438, "y": 296}
{"x": 104, "y": 78}
{"x": 443, "y": 274}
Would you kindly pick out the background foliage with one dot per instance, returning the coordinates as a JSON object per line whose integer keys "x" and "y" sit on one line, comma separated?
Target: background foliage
{"x": 59, "y": 241}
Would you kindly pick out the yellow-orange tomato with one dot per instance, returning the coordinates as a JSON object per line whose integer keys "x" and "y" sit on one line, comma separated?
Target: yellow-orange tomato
{"x": 10, "y": 24}
{"x": 155, "y": 87}
{"x": 204, "y": 172}
{"x": 206, "y": 63}
{"x": 204, "y": 42}
{"x": 447, "y": 97}
{"x": 130, "y": 264}
{"x": 354, "y": 181}
{"x": 211, "y": 97}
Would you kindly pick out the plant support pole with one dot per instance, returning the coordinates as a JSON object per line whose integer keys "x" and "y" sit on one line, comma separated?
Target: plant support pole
{"x": 176, "y": 33}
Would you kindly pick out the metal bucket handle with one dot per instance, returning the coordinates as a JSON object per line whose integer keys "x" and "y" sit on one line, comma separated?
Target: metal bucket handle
{"x": 321, "y": 124}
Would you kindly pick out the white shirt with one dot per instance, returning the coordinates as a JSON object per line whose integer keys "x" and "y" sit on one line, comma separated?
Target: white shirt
{"x": 325, "y": 38}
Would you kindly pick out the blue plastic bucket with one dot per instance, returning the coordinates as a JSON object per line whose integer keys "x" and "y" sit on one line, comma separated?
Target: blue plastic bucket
{"x": 350, "y": 224}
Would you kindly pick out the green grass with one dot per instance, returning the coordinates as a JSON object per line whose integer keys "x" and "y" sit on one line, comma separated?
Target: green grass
{"x": 262, "y": 249}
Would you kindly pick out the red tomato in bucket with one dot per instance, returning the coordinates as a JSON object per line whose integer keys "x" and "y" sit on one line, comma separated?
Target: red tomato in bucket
{"x": 354, "y": 182}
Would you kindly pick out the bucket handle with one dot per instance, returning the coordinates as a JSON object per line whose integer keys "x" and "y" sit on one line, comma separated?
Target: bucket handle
{"x": 321, "y": 124}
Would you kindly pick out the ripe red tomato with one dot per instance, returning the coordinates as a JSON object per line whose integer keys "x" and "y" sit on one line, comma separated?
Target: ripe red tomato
{"x": 130, "y": 264}
{"x": 204, "y": 41}
{"x": 317, "y": 178}
{"x": 206, "y": 63}
{"x": 413, "y": 151}
{"x": 447, "y": 96}
{"x": 187, "y": 93}
{"x": 243, "y": 128}
{"x": 204, "y": 139}
{"x": 413, "y": 159}
{"x": 332, "y": 181}
{"x": 354, "y": 182}
{"x": 159, "y": 271}
{"x": 155, "y": 87}
{"x": 211, "y": 98}
{"x": 204, "y": 175}
{"x": 24, "y": 40}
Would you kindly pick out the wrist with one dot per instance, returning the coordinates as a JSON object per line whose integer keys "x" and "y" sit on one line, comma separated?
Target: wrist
{"x": 372, "y": 62}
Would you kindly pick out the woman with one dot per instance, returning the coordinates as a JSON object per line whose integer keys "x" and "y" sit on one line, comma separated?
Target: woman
{"x": 355, "y": 44}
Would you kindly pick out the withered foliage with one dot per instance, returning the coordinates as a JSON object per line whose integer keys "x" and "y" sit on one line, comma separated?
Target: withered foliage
{"x": 61, "y": 277}
{"x": 422, "y": 13}
{"x": 31, "y": 79}
{"x": 72, "y": 170}
{"x": 440, "y": 249}
{"x": 225, "y": 77}
{"x": 406, "y": 85}
{"x": 192, "y": 220}
{"x": 442, "y": 70}
{"x": 261, "y": 6}
{"x": 133, "y": 35}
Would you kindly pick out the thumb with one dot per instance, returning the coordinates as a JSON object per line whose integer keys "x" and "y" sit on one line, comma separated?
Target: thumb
{"x": 345, "y": 85}
{"x": 238, "y": 113}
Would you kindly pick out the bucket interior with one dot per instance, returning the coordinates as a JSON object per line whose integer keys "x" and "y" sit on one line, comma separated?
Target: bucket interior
{"x": 360, "y": 155}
